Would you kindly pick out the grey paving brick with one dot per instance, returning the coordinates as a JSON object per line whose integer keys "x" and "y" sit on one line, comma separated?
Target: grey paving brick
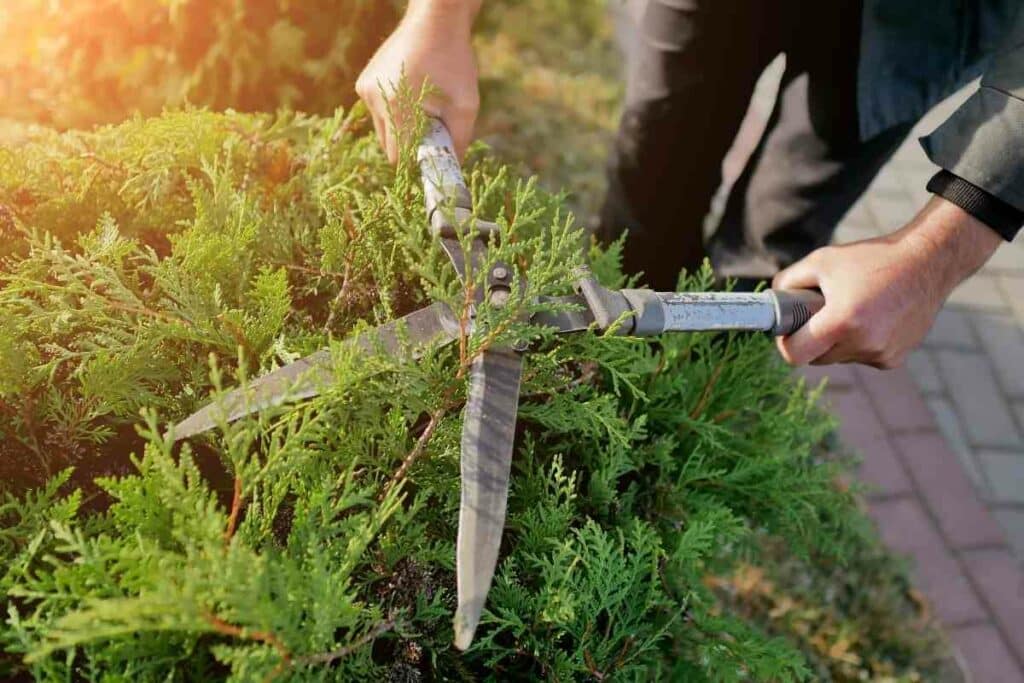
{"x": 1011, "y": 519}
{"x": 949, "y": 425}
{"x": 1003, "y": 341}
{"x": 984, "y": 411}
{"x": 887, "y": 182}
{"x": 1004, "y": 471}
{"x": 951, "y": 329}
{"x": 860, "y": 217}
{"x": 848, "y": 232}
{"x": 1013, "y": 289}
{"x": 986, "y": 655}
{"x": 980, "y": 292}
{"x": 1001, "y": 584}
{"x": 891, "y": 210}
{"x": 1008, "y": 259}
{"x": 924, "y": 371}
{"x": 914, "y": 173}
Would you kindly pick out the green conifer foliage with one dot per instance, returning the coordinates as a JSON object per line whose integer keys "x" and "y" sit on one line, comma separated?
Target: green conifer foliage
{"x": 150, "y": 263}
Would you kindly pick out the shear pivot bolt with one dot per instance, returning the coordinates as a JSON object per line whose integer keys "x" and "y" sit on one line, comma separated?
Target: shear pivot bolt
{"x": 499, "y": 297}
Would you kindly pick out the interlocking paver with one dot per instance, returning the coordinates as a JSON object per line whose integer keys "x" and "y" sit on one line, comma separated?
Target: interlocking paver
{"x": 979, "y": 292}
{"x": 862, "y": 431}
{"x": 962, "y": 518}
{"x": 949, "y": 426}
{"x": 896, "y": 398}
{"x": 1008, "y": 259}
{"x": 1013, "y": 288}
{"x": 860, "y": 217}
{"x": 890, "y": 210}
{"x": 951, "y": 329}
{"x": 1003, "y": 341}
{"x": 1004, "y": 472}
{"x": 847, "y": 232}
{"x": 971, "y": 373}
{"x": 1011, "y": 519}
{"x": 924, "y": 371}
{"x": 906, "y": 528}
{"x": 1001, "y": 584}
{"x": 986, "y": 654}
{"x": 983, "y": 409}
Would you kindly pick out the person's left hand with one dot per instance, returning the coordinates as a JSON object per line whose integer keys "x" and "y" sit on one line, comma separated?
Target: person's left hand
{"x": 882, "y": 295}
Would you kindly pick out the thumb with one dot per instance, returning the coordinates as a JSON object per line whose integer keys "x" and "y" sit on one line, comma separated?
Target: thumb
{"x": 813, "y": 340}
{"x": 820, "y": 334}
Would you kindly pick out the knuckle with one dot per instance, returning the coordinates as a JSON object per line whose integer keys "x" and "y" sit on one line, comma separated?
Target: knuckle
{"x": 364, "y": 90}
{"x": 892, "y": 361}
{"x": 821, "y": 255}
{"x": 466, "y": 106}
{"x": 844, "y": 326}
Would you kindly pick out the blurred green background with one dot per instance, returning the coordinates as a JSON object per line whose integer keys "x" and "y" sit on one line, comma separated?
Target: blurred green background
{"x": 549, "y": 70}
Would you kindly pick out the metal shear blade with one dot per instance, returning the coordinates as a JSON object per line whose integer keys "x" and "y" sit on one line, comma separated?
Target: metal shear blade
{"x": 414, "y": 334}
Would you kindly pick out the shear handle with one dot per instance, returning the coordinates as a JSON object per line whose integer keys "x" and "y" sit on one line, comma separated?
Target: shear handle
{"x": 449, "y": 203}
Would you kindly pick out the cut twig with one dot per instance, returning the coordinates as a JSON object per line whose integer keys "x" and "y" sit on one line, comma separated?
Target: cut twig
{"x": 341, "y": 652}
{"x": 416, "y": 452}
{"x": 705, "y": 394}
{"x": 236, "y": 508}
{"x": 228, "y": 629}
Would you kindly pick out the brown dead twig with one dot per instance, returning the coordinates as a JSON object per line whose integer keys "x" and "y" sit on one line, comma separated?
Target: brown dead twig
{"x": 328, "y": 657}
{"x": 236, "y": 508}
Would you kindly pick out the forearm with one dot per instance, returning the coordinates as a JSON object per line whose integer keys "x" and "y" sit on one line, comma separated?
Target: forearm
{"x": 952, "y": 241}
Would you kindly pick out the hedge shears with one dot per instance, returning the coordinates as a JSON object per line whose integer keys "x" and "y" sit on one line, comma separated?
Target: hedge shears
{"x": 492, "y": 402}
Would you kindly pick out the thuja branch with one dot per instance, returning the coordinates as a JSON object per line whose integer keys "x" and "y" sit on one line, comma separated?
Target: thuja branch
{"x": 236, "y": 508}
{"x": 341, "y": 652}
{"x": 447, "y": 403}
{"x": 234, "y": 631}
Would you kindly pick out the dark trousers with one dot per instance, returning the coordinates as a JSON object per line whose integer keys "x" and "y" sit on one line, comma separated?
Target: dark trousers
{"x": 692, "y": 69}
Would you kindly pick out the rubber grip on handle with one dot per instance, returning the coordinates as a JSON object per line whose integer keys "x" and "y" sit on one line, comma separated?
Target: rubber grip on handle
{"x": 793, "y": 308}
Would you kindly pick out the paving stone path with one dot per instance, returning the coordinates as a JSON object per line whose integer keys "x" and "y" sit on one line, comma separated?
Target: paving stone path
{"x": 942, "y": 439}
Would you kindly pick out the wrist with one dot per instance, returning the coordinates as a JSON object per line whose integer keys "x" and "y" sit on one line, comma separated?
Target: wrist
{"x": 950, "y": 241}
{"x": 457, "y": 15}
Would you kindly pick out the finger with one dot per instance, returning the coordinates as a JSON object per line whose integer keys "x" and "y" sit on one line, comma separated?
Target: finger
{"x": 461, "y": 120}
{"x": 813, "y": 340}
{"x": 804, "y": 274}
{"x": 837, "y": 354}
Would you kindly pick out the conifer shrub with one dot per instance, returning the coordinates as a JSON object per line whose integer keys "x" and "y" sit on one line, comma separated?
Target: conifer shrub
{"x": 148, "y": 264}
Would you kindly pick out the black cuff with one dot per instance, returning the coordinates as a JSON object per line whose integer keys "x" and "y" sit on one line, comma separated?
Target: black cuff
{"x": 989, "y": 209}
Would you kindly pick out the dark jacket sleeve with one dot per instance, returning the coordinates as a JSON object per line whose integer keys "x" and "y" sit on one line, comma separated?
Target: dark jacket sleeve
{"x": 983, "y": 141}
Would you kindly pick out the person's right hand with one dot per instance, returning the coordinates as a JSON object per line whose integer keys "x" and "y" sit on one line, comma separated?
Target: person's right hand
{"x": 431, "y": 44}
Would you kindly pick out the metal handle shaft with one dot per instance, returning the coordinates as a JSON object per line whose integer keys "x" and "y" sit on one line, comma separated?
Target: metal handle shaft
{"x": 449, "y": 202}
{"x": 778, "y": 312}
{"x": 443, "y": 183}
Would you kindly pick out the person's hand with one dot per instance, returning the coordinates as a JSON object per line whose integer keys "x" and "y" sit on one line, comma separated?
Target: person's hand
{"x": 431, "y": 44}
{"x": 882, "y": 295}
